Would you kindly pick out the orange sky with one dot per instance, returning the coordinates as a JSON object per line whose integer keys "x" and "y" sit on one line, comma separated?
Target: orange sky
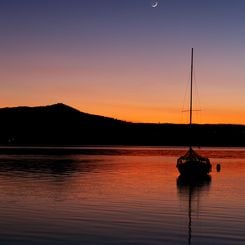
{"x": 130, "y": 63}
{"x": 139, "y": 94}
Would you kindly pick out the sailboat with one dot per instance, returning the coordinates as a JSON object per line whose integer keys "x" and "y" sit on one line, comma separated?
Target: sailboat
{"x": 191, "y": 164}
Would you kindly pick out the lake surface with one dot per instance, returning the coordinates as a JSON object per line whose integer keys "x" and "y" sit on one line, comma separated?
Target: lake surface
{"x": 118, "y": 195}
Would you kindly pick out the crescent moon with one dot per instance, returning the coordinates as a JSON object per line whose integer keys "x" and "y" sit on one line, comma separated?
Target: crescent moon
{"x": 154, "y": 4}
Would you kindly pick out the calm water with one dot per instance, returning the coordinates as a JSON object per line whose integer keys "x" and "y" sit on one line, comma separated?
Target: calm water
{"x": 118, "y": 196}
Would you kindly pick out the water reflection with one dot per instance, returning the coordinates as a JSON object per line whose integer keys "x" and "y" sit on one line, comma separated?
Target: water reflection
{"x": 46, "y": 176}
{"x": 38, "y": 166}
{"x": 129, "y": 198}
{"x": 191, "y": 189}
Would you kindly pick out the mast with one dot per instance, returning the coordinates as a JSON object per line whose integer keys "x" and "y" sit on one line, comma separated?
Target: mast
{"x": 191, "y": 87}
{"x": 190, "y": 124}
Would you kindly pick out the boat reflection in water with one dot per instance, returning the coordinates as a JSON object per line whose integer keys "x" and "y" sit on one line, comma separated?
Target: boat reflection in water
{"x": 191, "y": 188}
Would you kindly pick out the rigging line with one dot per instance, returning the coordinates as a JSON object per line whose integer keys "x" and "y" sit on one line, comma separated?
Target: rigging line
{"x": 196, "y": 92}
{"x": 185, "y": 101}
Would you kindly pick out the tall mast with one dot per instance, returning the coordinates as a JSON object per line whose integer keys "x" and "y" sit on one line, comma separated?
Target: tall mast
{"x": 190, "y": 125}
{"x": 191, "y": 87}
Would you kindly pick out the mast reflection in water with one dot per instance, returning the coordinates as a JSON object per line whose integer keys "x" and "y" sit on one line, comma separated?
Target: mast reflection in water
{"x": 191, "y": 189}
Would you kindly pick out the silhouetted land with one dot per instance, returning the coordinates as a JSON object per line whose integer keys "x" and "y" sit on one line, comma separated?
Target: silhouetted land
{"x": 60, "y": 124}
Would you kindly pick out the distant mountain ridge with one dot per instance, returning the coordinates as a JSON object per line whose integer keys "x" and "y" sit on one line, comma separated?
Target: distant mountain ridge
{"x": 54, "y": 108}
{"x": 52, "y": 124}
{"x": 60, "y": 124}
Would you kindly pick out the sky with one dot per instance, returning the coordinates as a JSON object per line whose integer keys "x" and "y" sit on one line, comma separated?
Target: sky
{"x": 125, "y": 59}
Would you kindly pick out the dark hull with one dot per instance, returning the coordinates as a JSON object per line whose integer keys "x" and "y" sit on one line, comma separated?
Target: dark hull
{"x": 194, "y": 168}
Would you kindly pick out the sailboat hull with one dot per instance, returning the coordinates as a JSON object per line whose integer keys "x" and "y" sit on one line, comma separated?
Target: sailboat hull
{"x": 194, "y": 168}
{"x": 192, "y": 164}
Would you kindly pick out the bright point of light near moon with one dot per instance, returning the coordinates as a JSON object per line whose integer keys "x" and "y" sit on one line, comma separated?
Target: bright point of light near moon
{"x": 154, "y": 4}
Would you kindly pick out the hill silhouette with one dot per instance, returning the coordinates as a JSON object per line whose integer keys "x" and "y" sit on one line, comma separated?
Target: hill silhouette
{"x": 60, "y": 124}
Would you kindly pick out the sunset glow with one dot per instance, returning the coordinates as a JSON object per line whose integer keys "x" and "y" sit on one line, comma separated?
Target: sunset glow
{"x": 125, "y": 59}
